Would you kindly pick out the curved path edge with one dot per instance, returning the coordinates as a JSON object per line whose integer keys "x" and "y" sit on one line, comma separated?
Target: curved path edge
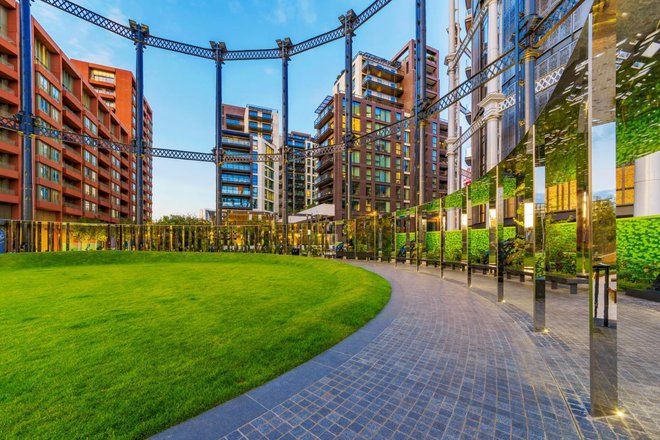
{"x": 227, "y": 417}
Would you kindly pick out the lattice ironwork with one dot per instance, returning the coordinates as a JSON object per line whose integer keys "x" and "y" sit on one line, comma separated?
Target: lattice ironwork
{"x": 386, "y": 131}
{"x": 91, "y": 17}
{"x": 465, "y": 42}
{"x": 319, "y": 40}
{"x": 553, "y": 20}
{"x": 252, "y": 54}
{"x": 472, "y": 129}
{"x": 203, "y": 52}
{"x": 175, "y": 46}
{"x": 549, "y": 80}
{"x": 543, "y": 83}
{"x": 371, "y": 10}
{"x": 166, "y": 153}
{"x": 82, "y": 139}
{"x": 237, "y": 158}
{"x": 10, "y": 123}
{"x": 506, "y": 61}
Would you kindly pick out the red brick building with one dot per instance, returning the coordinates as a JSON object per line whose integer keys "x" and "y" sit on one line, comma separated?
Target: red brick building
{"x": 72, "y": 181}
{"x": 384, "y": 92}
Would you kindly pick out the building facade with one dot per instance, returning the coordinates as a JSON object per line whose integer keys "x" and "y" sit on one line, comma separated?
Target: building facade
{"x": 384, "y": 92}
{"x": 72, "y": 181}
{"x": 250, "y": 186}
{"x": 117, "y": 89}
{"x": 302, "y": 174}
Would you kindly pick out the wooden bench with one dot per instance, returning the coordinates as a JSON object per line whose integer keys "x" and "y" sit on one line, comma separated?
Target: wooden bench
{"x": 455, "y": 264}
{"x": 485, "y": 268}
{"x": 571, "y": 282}
{"x": 521, "y": 273}
{"x": 430, "y": 262}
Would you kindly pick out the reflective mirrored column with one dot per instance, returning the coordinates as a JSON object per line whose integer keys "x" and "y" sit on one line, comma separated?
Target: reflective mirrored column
{"x": 497, "y": 223}
{"x": 537, "y": 209}
{"x": 466, "y": 215}
{"x": 601, "y": 207}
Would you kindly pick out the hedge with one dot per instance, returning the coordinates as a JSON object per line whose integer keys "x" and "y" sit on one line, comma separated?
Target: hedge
{"x": 479, "y": 241}
{"x": 638, "y": 251}
{"x": 453, "y": 245}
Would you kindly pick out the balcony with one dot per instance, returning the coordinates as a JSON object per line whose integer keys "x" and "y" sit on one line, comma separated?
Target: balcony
{"x": 234, "y": 123}
{"x": 380, "y": 85}
{"x": 323, "y": 180}
{"x": 71, "y": 171}
{"x": 324, "y": 133}
{"x": 380, "y": 70}
{"x": 73, "y": 209}
{"x": 71, "y": 190}
{"x": 324, "y": 116}
{"x": 232, "y": 142}
{"x": 382, "y": 97}
{"x": 256, "y": 116}
{"x": 325, "y": 163}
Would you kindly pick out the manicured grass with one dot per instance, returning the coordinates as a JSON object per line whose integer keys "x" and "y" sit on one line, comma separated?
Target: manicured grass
{"x": 123, "y": 345}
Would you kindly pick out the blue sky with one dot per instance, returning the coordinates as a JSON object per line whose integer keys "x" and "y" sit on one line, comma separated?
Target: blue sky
{"x": 181, "y": 91}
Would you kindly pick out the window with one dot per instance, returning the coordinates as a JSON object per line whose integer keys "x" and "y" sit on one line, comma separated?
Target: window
{"x": 41, "y": 54}
{"x": 90, "y": 158}
{"x": 3, "y": 22}
{"x": 89, "y": 190}
{"x": 48, "y": 108}
{"x": 562, "y": 196}
{"x": 625, "y": 185}
{"x": 48, "y": 173}
{"x": 48, "y": 194}
{"x": 87, "y": 101}
{"x": 90, "y": 174}
{"x": 45, "y": 150}
{"x": 382, "y": 176}
{"x": 382, "y": 161}
{"x": 90, "y": 125}
{"x": 48, "y": 87}
{"x": 382, "y": 115}
{"x": 67, "y": 81}
{"x": 368, "y": 111}
{"x": 102, "y": 76}
{"x": 90, "y": 206}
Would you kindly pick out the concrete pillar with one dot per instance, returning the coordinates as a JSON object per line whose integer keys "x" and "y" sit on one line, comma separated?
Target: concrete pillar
{"x": 493, "y": 97}
{"x": 647, "y": 185}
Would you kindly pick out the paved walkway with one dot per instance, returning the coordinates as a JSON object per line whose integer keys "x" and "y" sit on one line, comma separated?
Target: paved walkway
{"x": 440, "y": 361}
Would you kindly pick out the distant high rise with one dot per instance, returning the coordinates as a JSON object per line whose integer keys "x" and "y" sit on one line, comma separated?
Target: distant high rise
{"x": 384, "y": 92}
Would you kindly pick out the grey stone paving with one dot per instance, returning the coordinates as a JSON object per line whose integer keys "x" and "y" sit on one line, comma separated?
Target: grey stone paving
{"x": 441, "y": 361}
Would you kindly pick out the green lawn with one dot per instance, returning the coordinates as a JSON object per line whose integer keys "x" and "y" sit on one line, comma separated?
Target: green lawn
{"x": 123, "y": 345}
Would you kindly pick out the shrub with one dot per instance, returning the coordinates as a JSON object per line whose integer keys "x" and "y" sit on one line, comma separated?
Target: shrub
{"x": 638, "y": 251}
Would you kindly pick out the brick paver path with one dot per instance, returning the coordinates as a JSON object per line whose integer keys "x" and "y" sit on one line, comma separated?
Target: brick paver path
{"x": 447, "y": 363}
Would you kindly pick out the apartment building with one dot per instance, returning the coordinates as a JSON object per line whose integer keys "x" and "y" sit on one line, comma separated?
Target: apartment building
{"x": 117, "y": 89}
{"x": 302, "y": 174}
{"x": 250, "y": 186}
{"x": 265, "y": 178}
{"x": 72, "y": 181}
{"x": 384, "y": 92}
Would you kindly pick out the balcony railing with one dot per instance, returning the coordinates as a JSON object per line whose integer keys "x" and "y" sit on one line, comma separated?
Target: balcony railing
{"x": 329, "y": 110}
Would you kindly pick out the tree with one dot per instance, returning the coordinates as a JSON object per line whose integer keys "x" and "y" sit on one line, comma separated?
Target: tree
{"x": 181, "y": 220}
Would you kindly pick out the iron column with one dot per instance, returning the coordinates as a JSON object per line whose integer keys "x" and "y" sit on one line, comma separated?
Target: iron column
{"x": 284, "y": 46}
{"x": 420, "y": 91}
{"x": 348, "y": 22}
{"x": 27, "y": 113}
{"x": 529, "y": 58}
{"x": 141, "y": 33}
{"x": 219, "y": 50}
